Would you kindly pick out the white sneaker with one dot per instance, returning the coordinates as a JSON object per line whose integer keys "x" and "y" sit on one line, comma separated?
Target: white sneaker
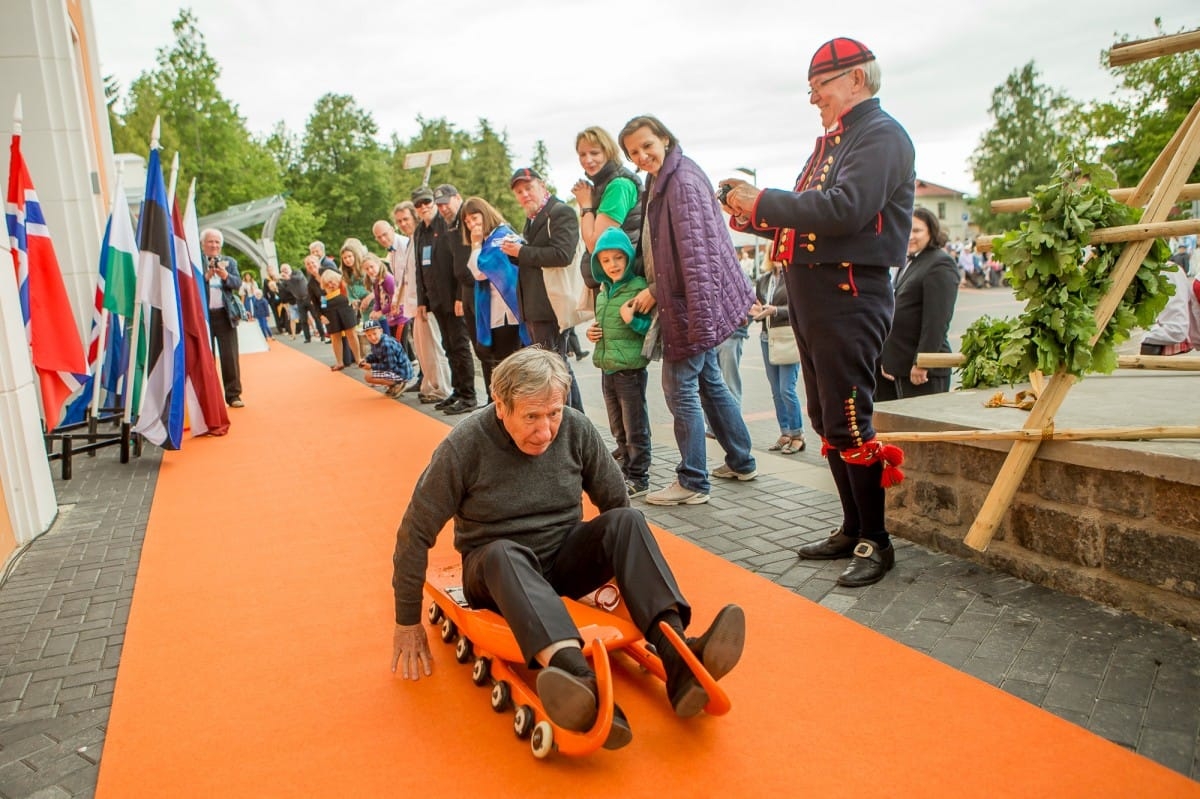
{"x": 725, "y": 473}
{"x": 675, "y": 494}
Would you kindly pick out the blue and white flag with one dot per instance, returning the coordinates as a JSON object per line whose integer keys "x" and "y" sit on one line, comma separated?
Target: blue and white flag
{"x": 161, "y": 417}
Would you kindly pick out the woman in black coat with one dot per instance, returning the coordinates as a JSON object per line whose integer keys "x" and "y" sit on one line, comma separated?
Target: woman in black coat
{"x": 926, "y": 289}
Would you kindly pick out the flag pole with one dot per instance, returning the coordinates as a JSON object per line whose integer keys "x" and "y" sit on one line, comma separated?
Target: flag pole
{"x": 173, "y": 184}
{"x": 18, "y": 118}
{"x": 137, "y": 315}
{"x": 100, "y": 341}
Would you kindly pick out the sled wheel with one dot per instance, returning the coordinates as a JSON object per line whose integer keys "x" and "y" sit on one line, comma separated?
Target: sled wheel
{"x": 435, "y": 613}
{"x": 542, "y": 740}
{"x": 501, "y": 697}
{"x": 481, "y": 671}
{"x": 463, "y": 649}
{"x": 449, "y": 630}
{"x": 523, "y": 721}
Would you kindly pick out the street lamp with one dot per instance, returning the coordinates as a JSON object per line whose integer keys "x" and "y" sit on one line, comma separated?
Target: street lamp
{"x": 753, "y": 175}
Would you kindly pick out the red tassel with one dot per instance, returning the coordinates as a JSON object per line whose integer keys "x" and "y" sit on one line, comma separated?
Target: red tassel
{"x": 825, "y": 447}
{"x": 892, "y": 457}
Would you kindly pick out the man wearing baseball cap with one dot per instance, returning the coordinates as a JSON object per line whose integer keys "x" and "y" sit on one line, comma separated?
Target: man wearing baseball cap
{"x": 437, "y": 292}
{"x": 551, "y": 236}
{"x": 837, "y": 233}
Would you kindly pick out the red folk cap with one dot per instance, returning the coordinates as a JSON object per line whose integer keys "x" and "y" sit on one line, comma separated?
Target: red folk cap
{"x": 838, "y": 54}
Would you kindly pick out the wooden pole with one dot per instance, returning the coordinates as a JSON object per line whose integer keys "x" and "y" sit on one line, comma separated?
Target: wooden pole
{"x": 1017, "y": 204}
{"x": 1131, "y": 52}
{"x": 1048, "y": 434}
{"x": 1186, "y": 146}
{"x": 1167, "y": 363}
{"x": 1111, "y": 235}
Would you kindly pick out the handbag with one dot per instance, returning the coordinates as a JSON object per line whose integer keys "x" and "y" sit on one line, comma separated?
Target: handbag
{"x": 567, "y": 292}
{"x": 781, "y": 346}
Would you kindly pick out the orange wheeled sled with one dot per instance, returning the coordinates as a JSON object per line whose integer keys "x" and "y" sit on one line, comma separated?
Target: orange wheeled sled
{"x": 483, "y": 639}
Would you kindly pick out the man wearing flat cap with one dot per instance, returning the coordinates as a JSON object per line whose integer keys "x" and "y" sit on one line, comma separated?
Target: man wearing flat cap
{"x": 551, "y": 236}
{"x": 837, "y": 233}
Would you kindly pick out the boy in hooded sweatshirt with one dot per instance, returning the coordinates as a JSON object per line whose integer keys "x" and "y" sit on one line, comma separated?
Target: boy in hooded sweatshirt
{"x": 618, "y": 335}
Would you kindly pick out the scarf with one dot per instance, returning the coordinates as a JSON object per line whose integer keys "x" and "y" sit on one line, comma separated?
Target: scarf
{"x": 501, "y": 273}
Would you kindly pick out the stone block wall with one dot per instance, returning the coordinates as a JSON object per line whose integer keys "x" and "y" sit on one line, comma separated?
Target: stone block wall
{"x": 1109, "y": 526}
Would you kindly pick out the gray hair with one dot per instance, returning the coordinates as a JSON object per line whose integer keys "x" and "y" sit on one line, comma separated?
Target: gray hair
{"x": 204, "y": 234}
{"x": 872, "y": 76}
{"x": 530, "y": 372}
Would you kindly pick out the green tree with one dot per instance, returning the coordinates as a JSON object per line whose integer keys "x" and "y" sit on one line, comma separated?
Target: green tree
{"x": 541, "y": 162}
{"x": 343, "y": 170}
{"x": 480, "y": 163}
{"x": 299, "y": 225}
{"x": 1155, "y": 97}
{"x": 1029, "y": 136}
{"x": 215, "y": 147}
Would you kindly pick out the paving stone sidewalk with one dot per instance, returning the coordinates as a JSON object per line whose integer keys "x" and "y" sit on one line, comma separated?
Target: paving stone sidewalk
{"x": 64, "y": 603}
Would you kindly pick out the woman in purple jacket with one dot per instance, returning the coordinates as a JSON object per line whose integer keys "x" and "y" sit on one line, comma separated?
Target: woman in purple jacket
{"x": 702, "y": 298}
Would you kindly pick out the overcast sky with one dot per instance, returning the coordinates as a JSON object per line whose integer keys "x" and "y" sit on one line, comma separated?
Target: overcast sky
{"x": 729, "y": 78}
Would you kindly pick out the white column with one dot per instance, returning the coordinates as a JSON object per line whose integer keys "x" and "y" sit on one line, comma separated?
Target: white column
{"x": 40, "y": 60}
{"x": 24, "y": 470}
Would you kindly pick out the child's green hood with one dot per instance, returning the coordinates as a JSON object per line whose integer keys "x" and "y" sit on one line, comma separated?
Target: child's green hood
{"x": 612, "y": 239}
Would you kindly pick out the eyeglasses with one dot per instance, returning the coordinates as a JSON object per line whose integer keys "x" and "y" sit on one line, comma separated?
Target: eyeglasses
{"x": 421, "y": 203}
{"x": 823, "y": 83}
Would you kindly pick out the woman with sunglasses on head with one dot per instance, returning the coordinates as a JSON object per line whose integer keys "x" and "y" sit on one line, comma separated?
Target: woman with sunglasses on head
{"x": 609, "y": 196}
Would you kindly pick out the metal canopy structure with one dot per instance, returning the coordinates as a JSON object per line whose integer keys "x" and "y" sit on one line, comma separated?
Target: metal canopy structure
{"x": 233, "y": 220}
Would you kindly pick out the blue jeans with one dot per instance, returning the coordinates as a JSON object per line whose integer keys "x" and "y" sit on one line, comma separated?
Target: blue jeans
{"x": 691, "y": 385}
{"x": 629, "y": 421}
{"x": 783, "y": 394}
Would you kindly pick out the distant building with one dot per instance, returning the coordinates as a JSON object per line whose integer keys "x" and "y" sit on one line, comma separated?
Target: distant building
{"x": 950, "y": 207}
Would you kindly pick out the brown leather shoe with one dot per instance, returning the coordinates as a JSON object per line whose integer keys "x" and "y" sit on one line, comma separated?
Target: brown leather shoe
{"x": 869, "y": 565}
{"x": 837, "y": 545}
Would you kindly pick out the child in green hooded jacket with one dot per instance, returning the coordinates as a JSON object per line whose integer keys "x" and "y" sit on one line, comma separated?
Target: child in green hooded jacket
{"x": 619, "y": 335}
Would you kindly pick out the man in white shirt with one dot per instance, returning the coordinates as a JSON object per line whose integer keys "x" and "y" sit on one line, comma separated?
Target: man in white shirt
{"x": 1169, "y": 333}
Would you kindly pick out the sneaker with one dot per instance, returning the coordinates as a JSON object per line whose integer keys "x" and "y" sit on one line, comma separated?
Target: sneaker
{"x": 636, "y": 490}
{"x": 446, "y": 403}
{"x": 725, "y": 473}
{"x": 675, "y": 494}
{"x": 395, "y": 389}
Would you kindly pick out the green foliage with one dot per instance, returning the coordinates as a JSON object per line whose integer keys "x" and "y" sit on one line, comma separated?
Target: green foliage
{"x": 299, "y": 225}
{"x": 1062, "y": 282}
{"x": 343, "y": 170}
{"x": 198, "y": 122}
{"x": 1138, "y": 121}
{"x": 541, "y": 162}
{"x": 1028, "y": 137}
{"x": 480, "y": 164}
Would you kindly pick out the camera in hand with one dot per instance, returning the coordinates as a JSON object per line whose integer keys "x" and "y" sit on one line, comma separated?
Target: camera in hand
{"x": 723, "y": 192}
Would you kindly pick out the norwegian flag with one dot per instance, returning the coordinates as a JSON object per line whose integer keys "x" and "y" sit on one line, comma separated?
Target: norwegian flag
{"x": 50, "y": 327}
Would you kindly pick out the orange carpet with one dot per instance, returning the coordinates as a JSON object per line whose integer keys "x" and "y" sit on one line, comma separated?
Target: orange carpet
{"x": 256, "y": 658}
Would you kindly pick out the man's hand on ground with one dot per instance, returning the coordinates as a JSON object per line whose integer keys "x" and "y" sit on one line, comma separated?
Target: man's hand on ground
{"x": 410, "y": 650}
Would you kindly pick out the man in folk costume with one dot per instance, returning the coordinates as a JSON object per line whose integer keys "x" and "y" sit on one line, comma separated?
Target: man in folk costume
{"x": 837, "y": 233}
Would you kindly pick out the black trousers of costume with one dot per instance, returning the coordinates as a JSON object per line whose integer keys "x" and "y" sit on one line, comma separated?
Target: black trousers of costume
{"x": 508, "y": 577}
{"x": 457, "y": 344}
{"x": 841, "y": 315}
{"x": 225, "y": 342}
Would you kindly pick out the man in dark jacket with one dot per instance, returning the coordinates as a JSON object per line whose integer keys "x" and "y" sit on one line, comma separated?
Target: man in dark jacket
{"x": 293, "y": 290}
{"x": 551, "y": 240}
{"x": 437, "y": 292}
{"x": 223, "y": 279}
{"x": 312, "y": 266}
{"x": 837, "y": 233}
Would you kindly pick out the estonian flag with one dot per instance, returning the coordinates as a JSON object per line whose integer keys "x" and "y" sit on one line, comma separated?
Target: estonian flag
{"x": 161, "y": 417}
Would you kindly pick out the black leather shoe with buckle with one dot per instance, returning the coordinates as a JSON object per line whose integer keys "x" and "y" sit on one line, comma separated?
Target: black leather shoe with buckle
{"x": 869, "y": 565}
{"x": 837, "y": 545}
